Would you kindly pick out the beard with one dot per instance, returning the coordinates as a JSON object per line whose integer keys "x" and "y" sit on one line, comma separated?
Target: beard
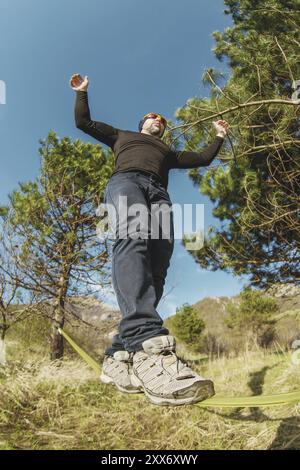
{"x": 156, "y": 130}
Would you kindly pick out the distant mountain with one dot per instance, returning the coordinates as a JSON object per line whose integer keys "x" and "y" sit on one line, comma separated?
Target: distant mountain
{"x": 104, "y": 319}
{"x": 213, "y": 311}
{"x": 92, "y": 310}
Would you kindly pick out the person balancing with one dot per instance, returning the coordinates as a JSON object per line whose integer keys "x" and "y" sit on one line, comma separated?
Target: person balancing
{"x": 142, "y": 356}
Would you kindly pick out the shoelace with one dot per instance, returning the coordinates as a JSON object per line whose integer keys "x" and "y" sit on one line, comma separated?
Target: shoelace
{"x": 182, "y": 370}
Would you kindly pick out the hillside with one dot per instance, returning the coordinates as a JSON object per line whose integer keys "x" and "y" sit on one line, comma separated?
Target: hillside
{"x": 211, "y": 309}
{"x": 63, "y": 405}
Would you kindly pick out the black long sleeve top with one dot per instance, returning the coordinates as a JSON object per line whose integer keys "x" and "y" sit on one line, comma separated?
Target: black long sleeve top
{"x": 139, "y": 151}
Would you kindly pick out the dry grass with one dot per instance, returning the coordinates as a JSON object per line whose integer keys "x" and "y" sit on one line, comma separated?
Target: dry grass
{"x": 47, "y": 405}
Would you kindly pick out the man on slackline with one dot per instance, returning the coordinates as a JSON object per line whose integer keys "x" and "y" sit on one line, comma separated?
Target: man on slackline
{"x": 142, "y": 356}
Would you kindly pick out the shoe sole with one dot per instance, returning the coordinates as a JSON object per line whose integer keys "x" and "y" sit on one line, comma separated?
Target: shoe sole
{"x": 201, "y": 393}
{"x": 108, "y": 380}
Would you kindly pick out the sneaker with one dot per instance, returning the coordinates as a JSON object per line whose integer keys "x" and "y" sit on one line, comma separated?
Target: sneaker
{"x": 164, "y": 378}
{"x": 117, "y": 370}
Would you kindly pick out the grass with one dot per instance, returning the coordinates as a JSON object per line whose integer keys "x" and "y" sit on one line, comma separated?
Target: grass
{"x": 63, "y": 405}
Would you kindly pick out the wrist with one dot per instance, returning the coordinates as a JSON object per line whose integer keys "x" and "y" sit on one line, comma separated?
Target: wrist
{"x": 221, "y": 134}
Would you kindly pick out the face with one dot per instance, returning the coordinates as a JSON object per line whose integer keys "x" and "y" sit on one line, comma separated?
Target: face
{"x": 153, "y": 126}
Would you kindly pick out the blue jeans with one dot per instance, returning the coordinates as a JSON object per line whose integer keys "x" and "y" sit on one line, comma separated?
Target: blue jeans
{"x": 139, "y": 265}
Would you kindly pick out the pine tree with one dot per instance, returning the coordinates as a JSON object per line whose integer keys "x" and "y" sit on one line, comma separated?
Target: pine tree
{"x": 51, "y": 227}
{"x": 255, "y": 182}
{"x": 253, "y": 316}
{"x": 188, "y": 327}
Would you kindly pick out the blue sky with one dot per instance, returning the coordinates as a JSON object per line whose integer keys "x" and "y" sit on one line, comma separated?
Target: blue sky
{"x": 140, "y": 56}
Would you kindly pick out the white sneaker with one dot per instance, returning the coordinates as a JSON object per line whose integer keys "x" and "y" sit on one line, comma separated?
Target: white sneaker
{"x": 164, "y": 378}
{"x": 117, "y": 370}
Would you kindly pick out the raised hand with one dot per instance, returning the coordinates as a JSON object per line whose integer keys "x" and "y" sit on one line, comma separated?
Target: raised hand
{"x": 78, "y": 83}
{"x": 221, "y": 127}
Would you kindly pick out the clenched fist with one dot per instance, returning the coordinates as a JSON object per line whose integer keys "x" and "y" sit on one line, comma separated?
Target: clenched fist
{"x": 221, "y": 127}
{"x": 78, "y": 83}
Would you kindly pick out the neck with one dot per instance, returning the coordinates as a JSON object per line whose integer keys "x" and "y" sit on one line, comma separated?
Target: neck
{"x": 149, "y": 133}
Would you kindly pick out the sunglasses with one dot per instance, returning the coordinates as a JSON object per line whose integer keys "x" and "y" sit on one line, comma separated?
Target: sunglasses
{"x": 154, "y": 116}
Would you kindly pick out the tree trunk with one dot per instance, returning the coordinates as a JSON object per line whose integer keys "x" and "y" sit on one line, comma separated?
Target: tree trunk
{"x": 2, "y": 348}
{"x": 57, "y": 341}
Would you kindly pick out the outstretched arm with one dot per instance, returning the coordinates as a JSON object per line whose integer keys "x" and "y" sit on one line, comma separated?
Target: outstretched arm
{"x": 99, "y": 130}
{"x": 186, "y": 159}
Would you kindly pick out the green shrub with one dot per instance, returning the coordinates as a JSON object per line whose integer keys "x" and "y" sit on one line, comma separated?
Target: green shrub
{"x": 253, "y": 315}
{"x": 188, "y": 327}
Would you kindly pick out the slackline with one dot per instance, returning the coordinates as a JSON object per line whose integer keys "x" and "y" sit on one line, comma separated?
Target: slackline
{"x": 216, "y": 401}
